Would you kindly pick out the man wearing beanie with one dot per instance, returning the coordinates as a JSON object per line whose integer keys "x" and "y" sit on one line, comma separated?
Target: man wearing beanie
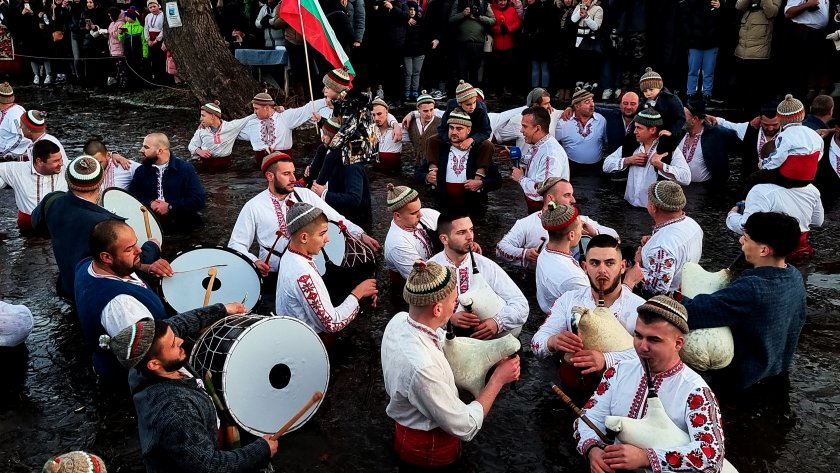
{"x": 421, "y": 125}
{"x": 390, "y": 137}
{"x": 706, "y": 148}
{"x": 525, "y": 240}
{"x": 660, "y": 332}
{"x": 413, "y": 233}
{"x": 466, "y": 99}
{"x": 213, "y": 141}
{"x": 75, "y": 462}
{"x": 33, "y": 125}
{"x": 765, "y": 306}
{"x": 176, "y": 418}
{"x": 645, "y": 160}
{"x": 329, "y": 128}
{"x": 70, "y": 217}
{"x": 301, "y": 292}
{"x": 557, "y": 270}
{"x": 456, "y": 174}
{"x": 669, "y": 106}
{"x": 269, "y": 129}
{"x": 676, "y": 239}
{"x": 13, "y": 144}
{"x": 542, "y": 159}
{"x": 266, "y": 214}
{"x": 584, "y": 136}
{"x": 431, "y": 420}
{"x": 455, "y": 231}
{"x": 168, "y": 185}
{"x": 32, "y": 180}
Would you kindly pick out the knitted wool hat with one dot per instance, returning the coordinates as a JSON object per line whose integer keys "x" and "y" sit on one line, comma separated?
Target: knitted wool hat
{"x": 379, "y": 101}
{"x": 84, "y": 174}
{"x": 213, "y": 108}
{"x": 262, "y": 98}
{"x": 558, "y": 217}
{"x": 668, "y": 309}
{"x": 667, "y": 196}
{"x": 648, "y": 117}
{"x": 35, "y": 120}
{"x": 424, "y": 97}
{"x": 7, "y": 94}
{"x": 132, "y": 343}
{"x": 301, "y": 214}
{"x": 428, "y": 283}
{"x": 464, "y": 91}
{"x": 459, "y": 117}
{"x": 399, "y": 196}
{"x": 338, "y": 80}
{"x": 790, "y": 110}
{"x": 75, "y": 462}
{"x": 534, "y": 96}
{"x": 548, "y": 184}
{"x": 331, "y": 127}
{"x": 272, "y": 158}
{"x": 479, "y": 94}
{"x": 650, "y": 80}
{"x": 580, "y": 95}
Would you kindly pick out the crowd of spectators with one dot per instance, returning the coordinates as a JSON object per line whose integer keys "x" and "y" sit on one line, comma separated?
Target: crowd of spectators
{"x": 742, "y": 50}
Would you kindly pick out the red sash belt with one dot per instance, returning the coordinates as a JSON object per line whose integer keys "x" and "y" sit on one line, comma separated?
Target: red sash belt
{"x": 802, "y": 167}
{"x": 214, "y": 163}
{"x": 389, "y": 161}
{"x": 24, "y": 222}
{"x": 153, "y": 35}
{"x": 429, "y": 449}
{"x": 803, "y": 249}
{"x": 456, "y": 192}
{"x": 533, "y": 205}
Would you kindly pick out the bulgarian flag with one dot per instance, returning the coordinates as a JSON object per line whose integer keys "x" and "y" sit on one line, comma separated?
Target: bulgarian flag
{"x": 307, "y": 18}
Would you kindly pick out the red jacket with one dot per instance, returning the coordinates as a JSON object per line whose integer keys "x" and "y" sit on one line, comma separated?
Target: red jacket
{"x": 509, "y": 18}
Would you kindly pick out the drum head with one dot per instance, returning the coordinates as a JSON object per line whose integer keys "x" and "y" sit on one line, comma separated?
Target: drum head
{"x": 122, "y": 203}
{"x": 236, "y": 278}
{"x": 271, "y": 371}
{"x": 334, "y": 249}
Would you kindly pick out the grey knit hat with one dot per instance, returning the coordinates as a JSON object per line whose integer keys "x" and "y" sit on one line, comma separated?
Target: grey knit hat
{"x": 790, "y": 110}
{"x": 263, "y": 98}
{"x": 425, "y": 98}
{"x": 214, "y": 108}
{"x": 380, "y": 102}
{"x": 667, "y": 196}
{"x": 648, "y": 117}
{"x": 75, "y": 462}
{"x": 668, "y": 309}
{"x": 459, "y": 117}
{"x": 650, "y": 80}
{"x": 534, "y": 95}
{"x": 399, "y": 196}
{"x": 428, "y": 283}
{"x": 84, "y": 174}
{"x": 132, "y": 343}
{"x": 548, "y": 184}
{"x": 558, "y": 217}
{"x": 301, "y": 214}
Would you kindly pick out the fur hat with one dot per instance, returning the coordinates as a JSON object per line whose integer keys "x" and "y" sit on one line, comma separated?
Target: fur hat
{"x": 558, "y": 217}
{"x": 262, "y": 98}
{"x": 132, "y": 343}
{"x": 667, "y": 196}
{"x": 75, "y": 462}
{"x": 84, "y": 174}
{"x": 650, "y": 80}
{"x": 425, "y": 98}
{"x": 464, "y": 91}
{"x": 399, "y": 196}
{"x": 272, "y": 158}
{"x": 668, "y": 309}
{"x": 580, "y": 95}
{"x": 428, "y": 283}
{"x": 301, "y": 214}
{"x": 790, "y": 110}
{"x": 213, "y": 108}
{"x": 648, "y": 117}
{"x": 7, "y": 94}
{"x": 338, "y": 80}
{"x": 459, "y": 117}
{"x": 34, "y": 120}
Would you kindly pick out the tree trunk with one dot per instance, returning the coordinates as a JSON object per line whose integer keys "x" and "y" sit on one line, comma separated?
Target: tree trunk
{"x": 206, "y": 63}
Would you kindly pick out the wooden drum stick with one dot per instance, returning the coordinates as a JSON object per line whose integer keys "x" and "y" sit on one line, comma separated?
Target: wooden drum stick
{"x": 288, "y": 425}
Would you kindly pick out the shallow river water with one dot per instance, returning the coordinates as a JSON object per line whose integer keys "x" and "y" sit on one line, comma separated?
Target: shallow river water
{"x": 50, "y": 401}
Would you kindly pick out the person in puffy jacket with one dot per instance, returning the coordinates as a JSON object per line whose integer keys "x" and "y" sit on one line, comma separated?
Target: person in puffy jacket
{"x": 504, "y": 41}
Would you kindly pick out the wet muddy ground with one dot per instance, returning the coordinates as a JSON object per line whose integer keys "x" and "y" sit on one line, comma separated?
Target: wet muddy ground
{"x": 50, "y": 401}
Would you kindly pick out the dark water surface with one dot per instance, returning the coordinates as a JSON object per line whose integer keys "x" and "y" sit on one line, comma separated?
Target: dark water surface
{"x": 50, "y": 401}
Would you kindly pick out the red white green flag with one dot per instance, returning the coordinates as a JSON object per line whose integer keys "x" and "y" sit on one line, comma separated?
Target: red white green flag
{"x": 308, "y": 19}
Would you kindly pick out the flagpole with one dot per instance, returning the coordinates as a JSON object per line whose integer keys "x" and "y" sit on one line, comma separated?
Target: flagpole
{"x": 306, "y": 56}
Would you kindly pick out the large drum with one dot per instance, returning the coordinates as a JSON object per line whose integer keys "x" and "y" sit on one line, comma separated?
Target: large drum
{"x": 344, "y": 262}
{"x": 145, "y": 224}
{"x": 264, "y": 369}
{"x": 237, "y": 279}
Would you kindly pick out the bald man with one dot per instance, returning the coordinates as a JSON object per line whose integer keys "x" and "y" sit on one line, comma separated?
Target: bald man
{"x": 168, "y": 185}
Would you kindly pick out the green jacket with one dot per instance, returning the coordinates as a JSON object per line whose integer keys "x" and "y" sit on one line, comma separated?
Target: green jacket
{"x": 132, "y": 36}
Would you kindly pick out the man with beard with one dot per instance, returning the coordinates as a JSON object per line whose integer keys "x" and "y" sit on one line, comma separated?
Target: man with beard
{"x": 604, "y": 267}
{"x": 264, "y": 216}
{"x": 168, "y": 185}
{"x": 109, "y": 296}
{"x": 754, "y": 134}
{"x": 706, "y": 148}
{"x": 177, "y": 420}
{"x": 32, "y": 180}
{"x": 584, "y": 136}
{"x": 456, "y": 233}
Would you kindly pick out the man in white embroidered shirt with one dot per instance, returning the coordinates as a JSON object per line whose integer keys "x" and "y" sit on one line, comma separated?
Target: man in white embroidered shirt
{"x": 431, "y": 421}
{"x": 544, "y": 157}
{"x": 688, "y": 402}
{"x": 584, "y": 135}
{"x": 301, "y": 292}
{"x": 410, "y": 237}
{"x": 557, "y": 270}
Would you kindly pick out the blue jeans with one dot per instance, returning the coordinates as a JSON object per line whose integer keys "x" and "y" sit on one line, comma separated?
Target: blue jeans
{"x": 701, "y": 60}
{"x": 539, "y": 74}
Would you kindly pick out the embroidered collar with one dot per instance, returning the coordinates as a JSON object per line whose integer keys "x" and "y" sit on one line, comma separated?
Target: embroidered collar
{"x": 303, "y": 255}
{"x": 425, "y": 329}
{"x": 454, "y": 264}
{"x": 662, "y": 225}
{"x": 674, "y": 370}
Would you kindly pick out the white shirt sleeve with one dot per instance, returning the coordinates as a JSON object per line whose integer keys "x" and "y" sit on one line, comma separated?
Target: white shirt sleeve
{"x": 658, "y": 269}
{"x": 244, "y": 230}
{"x": 614, "y": 162}
{"x": 613, "y": 357}
{"x": 678, "y": 168}
{"x": 739, "y": 128}
{"x": 436, "y": 400}
{"x": 402, "y": 257}
{"x": 195, "y": 142}
{"x": 556, "y": 322}
{"x": 514, "y": 314}
{"x": 818, "y": 217}
{"x": 121, "y": 312}
{"x": 511, "y": 248}
{"x": 316, "y": 302}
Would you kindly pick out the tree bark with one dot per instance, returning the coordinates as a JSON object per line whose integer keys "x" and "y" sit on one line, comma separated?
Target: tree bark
{"x": 206, "y": 63}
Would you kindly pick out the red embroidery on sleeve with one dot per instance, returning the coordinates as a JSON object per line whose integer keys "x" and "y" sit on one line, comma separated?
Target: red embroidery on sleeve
{"x": 310, "y": 293}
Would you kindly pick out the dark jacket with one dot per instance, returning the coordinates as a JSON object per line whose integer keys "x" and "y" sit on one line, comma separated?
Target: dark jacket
{"x": 475, "y": 201}
{"x": 415, "y": 38}
{"x": 701, "y": 24}
{"x": 181, "y": 189}
{"x": 673, "y": 117}
{"x": 716, "y": 143}
{"x": 177, "y": 418}
{"x": 390, "y": 25}
{"x": 349, "y": 190}
{"x": 827, "y": 180}
{"x": 69, "y": 219}
{"x": 480, "y": 130}
{"x": 340, "y": 22}
{"x": 436, "y": 18}
{"x": 539, "y": 27}
{"x": 632, "y": 15}
{"x": 765, "y": 308}
{"x": 814, "y": 123}
{"x": 616, "y": 130}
